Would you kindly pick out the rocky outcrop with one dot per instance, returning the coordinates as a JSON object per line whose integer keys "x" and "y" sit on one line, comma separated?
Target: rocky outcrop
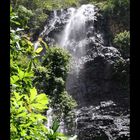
{"x": 106, "y": 121}
{"x": 98, "y": 79}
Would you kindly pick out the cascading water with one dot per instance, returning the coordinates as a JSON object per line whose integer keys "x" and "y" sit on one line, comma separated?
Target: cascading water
{"x": 76, "y": 26}
{"x": 47, "y": 29}
{"x": 73, "y": 37}
{"x": 49, "y": 117}
{"x": 90, "y": 80}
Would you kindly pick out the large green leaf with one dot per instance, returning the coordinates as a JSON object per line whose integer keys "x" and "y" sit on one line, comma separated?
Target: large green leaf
{"x": 14, "y": 79}
{"x": 42, "y": 98}
{"x": 38, "y": 107}
{"x": 33, "y": 94}
{"x": 21, "y": 74}
{"x": 39, "y": 49}
{"x": 55, "y": 125}
{"x": 30, "y": 66}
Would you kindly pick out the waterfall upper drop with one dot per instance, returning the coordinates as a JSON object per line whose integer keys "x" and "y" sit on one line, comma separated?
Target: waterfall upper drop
{"x": 75, "y": 29}
{"x": 75, "y": 33}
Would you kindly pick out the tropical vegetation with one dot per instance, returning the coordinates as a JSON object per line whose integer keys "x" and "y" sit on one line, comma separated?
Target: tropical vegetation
{"x": 37, "y": 81}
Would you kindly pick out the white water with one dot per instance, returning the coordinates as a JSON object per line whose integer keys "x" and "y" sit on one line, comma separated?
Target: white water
{"x": 75, "y": 29}
{"x": 66, "y": 32}
{"x": 74, "y": 36}
{"x": 47, "y": 29}
{"x": 49, "y": 114}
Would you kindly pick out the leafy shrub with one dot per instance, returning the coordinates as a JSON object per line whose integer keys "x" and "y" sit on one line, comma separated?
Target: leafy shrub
{"x": 114, "y": 6}
{"x": 24, "y": 15}
{"x": 26, "y": 106}
{"x": 122, "y": 42}
{"x": 55, "y": 4}
{"x": 50, "y": 78}
{"x": 67, "y": 103}
{"x": 26, "y": 120}
{"x": 116, "y": 15}
{"x": 56, "y": 63}
{"x": 121, "y": 74}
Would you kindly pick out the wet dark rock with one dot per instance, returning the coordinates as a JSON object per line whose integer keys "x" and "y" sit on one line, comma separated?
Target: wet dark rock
{"x": 93, "y": 123}
{"x": 92, "y": 133}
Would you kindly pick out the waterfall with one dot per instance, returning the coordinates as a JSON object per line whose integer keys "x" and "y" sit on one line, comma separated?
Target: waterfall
{"x": 67, "y": 29}
{"x": 90, "y": 80}
{"x": 48, "y": 29}
{"x": 73, "y": 37}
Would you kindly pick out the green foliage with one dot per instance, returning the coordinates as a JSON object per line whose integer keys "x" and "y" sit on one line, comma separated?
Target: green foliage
{"x": 24, "y": 15}
{"x": 50, "y": 78}
{"x": 122, "y": 39}
{"x": 116, "y": 14}
{"x": 57, "y": 59}
{"x": 54, "y": 135}
{"x": 52, "y": 73}
{"x": 30, "y": 13}
{"x": 91, "y": 1}
{"x": 33, "y": 13}
{"x": 122, "y": 42}
{"x": 37, "y": 20}
{"x": 27, "y": 121}
{"x": 120, "y": 74}
{"x": 66, "y": 102}
{"x": 114, "y": 6}
{"x": 57, "y": 4}
{"x": 28, "y": 104}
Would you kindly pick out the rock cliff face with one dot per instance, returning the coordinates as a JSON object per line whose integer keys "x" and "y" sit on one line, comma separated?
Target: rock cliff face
{"x": 96, "y": 80}
{"x": 106, "y": 121}
{"x": 99, "y": 75}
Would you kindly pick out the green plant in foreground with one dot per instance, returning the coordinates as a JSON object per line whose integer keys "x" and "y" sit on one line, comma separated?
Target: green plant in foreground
{"x": 50, "y": 78}
{"x": 27, "y": 121}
